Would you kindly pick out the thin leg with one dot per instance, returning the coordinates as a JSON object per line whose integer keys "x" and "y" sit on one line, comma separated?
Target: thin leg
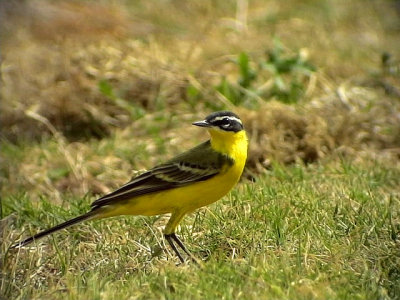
{"x": 173, "y": 237}
{"x": 180, "y": 244}
{"x": 169, "y": 238}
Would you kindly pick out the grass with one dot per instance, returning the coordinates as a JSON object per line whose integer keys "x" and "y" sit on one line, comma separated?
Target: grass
{"x": 323, "y": 231}
{"x": 93, "y": 92}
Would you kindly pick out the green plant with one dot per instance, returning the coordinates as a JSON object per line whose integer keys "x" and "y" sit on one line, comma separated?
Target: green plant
{"x": 107, "y": 90}
{"x": 240, "y": 92}
{"x": 289, "y": 73}
{"x": 284, "y": 80}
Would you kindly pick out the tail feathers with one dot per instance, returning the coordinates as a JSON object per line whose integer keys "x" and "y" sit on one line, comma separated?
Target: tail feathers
{"x": 66, "y": 224}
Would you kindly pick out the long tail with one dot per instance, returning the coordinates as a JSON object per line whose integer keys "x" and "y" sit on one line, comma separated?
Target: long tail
{"x": 58, "y": 227}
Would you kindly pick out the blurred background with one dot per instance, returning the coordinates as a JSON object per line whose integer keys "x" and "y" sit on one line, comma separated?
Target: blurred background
{"x": 93, "y": 92}
{"x": 94, "y": 89}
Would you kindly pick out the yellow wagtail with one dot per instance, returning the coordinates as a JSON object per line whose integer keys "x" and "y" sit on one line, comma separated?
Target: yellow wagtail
{"x": 195, "y": 178}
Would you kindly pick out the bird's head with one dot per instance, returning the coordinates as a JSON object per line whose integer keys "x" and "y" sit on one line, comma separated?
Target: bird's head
{"x": 224, "y": 121}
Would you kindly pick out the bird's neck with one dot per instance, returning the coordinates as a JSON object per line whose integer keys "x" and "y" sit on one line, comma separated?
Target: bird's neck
{"x": 227, "y": 142}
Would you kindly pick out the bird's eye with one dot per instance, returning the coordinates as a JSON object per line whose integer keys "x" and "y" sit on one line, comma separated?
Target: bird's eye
{"x": 226, "y": 122}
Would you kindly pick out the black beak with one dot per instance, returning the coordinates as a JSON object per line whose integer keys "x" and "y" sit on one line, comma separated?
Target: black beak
{"x": 203, "y": 123}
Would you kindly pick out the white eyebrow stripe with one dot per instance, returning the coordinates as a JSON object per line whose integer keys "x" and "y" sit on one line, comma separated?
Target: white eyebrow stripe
{"x": 229, "y": 117}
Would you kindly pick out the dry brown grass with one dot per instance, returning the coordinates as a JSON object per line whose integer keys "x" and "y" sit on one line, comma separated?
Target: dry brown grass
{"x": 358, "y": 122}
{"x": 59, "y": 53}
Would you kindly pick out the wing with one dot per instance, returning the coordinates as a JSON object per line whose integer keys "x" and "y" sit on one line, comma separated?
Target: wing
{"x": 195, "y": 165}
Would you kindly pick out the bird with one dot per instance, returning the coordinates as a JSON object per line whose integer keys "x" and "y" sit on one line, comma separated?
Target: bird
{"x": 192, "y": 179}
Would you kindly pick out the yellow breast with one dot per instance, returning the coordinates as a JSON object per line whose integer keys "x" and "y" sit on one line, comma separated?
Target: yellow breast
{"x": 190, "y": 197}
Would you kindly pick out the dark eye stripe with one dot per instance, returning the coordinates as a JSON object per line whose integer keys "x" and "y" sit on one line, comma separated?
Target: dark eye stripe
{"x": 220, "y": 122}
{"x": 228, "y": 126}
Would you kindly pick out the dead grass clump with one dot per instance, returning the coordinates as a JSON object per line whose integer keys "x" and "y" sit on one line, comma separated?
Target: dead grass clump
{"x": 359, "y": 117}
{"x": 280, "y": 132}
{"x": 354, "y": 120}
{"x": 62, "y": 84}
{"x": 58, "y": 57}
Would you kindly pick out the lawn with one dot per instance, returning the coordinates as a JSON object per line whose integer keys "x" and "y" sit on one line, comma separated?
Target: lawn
{"x": 320, "y": 231}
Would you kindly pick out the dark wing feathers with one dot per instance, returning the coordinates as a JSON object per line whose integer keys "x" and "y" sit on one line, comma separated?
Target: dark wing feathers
{"x": 198, "y": 164}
